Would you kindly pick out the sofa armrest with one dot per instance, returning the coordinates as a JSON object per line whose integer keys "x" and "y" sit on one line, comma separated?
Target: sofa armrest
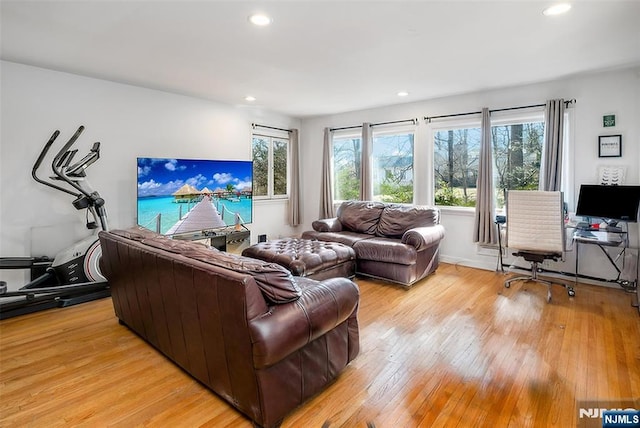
{"x": 288, "y": 327}
{"x": 327, "y": 225}
{"x": 423, "y": 237}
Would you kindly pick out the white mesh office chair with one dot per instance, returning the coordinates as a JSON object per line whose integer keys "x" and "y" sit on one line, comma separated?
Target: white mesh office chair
{"x": 535, "y": 229}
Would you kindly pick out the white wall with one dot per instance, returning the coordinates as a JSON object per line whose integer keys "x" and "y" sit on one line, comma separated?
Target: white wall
{"x": 616, "y": 92}
{"x": 129, "y": 122}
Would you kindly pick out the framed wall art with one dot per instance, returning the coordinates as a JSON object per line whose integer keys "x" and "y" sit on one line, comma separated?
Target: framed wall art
{"x": 610, "y": 146}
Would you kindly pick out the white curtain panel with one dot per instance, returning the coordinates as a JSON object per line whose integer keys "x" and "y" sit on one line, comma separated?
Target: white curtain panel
{"x": 484, "y": 229}
{"x": 294, "y": 189}
{"x": 551, "y": 165}
{"x": 326, "y": 184}
{"x": 366, "y": 184}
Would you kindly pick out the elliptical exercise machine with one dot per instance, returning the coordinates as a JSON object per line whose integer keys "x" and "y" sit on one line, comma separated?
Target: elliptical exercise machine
{"x": 73, "y": 276}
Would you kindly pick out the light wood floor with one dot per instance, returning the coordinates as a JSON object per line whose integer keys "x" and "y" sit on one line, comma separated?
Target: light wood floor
{"x": 457, "y": 349}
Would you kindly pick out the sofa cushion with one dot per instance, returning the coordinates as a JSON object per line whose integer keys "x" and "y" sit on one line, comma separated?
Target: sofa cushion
{"x": 423, "y": 237}
{"x": 277, "y": 284}
{"x": 396, "y": 219}
{"x": 327, "y": 225}
{"x": 386, "y": 250}
{"x": 345, "y": 238}
{"x": 360, "y": 216}
{"x": 136, "y": 233}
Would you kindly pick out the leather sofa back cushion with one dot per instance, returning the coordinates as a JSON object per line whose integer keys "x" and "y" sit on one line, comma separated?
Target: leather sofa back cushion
{"x": 135, "y": 233}
{"x": 276, "y": 283}
{"x": 396, "y": 219}
{"x": 360, "y": 216}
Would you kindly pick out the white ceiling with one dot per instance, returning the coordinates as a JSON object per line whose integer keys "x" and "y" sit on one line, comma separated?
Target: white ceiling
{"x": 321, "y": 57}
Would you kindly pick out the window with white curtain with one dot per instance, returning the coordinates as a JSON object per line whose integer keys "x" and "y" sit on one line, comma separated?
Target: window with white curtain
{"x": 516, "y": 142}
{"x": 391, "y": 164}
{"x": 270, "y": 167}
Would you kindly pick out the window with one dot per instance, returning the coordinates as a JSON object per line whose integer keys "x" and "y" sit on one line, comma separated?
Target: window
{"x": 346, "y": 167}
{"x": 517, "y": 154}
{"x": 392, "y": 166}
{"x": 456, "y": 153}
{"x": 270, "y": 166}
{"x": 516, "y": 150}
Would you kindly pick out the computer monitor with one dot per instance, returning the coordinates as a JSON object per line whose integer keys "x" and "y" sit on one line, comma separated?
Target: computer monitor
{"x": 614, "y": 203}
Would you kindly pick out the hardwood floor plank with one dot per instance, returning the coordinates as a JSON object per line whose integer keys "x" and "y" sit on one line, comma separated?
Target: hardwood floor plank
{"x": 455, "y": 350}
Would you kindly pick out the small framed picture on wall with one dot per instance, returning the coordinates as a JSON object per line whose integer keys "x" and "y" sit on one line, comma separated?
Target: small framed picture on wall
{"x": 610, "y": 146}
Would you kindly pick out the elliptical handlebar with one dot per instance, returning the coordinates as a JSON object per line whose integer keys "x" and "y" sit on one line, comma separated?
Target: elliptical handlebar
{"x": 78, "y": 168}
{"x": 66, "y": 147}
{"x": 73, "y": 174}
{"x": 36, "y": 165}
{"x": 58, "y": 163}
{"x": 44, "y": 151}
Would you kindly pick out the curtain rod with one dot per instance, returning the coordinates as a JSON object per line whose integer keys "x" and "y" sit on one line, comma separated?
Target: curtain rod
{"x": 413, "y": 121}
{"x": 255, "y": 125}
{"x": 428, "y": 118}
{"x": 345, "y": 127}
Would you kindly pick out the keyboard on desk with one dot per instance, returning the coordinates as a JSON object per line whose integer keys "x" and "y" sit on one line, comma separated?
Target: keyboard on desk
{"x": 585, "y": 234}
{"x": 602, "y": 237}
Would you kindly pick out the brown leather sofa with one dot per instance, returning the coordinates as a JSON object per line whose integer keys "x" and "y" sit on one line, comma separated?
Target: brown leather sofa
{"x": 395, "y": 242}
{"x": 261, "y": 339}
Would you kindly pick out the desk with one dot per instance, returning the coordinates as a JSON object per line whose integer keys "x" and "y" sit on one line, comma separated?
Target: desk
{"x": 227, "y": 239}
{"x": 614, "y": 245}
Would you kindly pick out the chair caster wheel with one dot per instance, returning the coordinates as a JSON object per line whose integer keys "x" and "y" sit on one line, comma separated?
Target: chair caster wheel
{"x": 571, "y": 293}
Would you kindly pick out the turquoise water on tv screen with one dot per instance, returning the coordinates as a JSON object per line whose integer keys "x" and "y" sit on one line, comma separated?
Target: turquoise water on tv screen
{"x": 150, "y": 207}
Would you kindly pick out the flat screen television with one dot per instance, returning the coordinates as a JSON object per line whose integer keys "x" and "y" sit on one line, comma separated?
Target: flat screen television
{"x": 180, "y": 196}
{"x": 615, "y": 203}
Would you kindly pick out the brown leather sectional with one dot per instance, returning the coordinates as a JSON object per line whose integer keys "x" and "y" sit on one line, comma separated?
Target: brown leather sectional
{"x": 262, "y": 339}
{"x": 395, "y": 242}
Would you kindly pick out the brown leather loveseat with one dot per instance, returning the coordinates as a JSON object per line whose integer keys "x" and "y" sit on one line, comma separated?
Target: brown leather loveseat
{"x": 395, "y": 242}
{"x": 261, "y": 339}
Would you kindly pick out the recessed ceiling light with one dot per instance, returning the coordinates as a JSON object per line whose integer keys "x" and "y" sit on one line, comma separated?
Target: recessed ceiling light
{"x": 403, "y": 93}
{"x": 249, "y": 98}
{"x": 260, "y": 19}
{"x": 557, "y": 9}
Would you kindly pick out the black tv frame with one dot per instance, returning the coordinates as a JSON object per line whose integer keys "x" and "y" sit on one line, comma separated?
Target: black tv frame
{"x": 169, "y": 175}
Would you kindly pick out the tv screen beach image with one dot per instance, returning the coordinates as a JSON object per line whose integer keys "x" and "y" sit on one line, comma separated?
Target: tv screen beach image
{"x": 178, "y": 196}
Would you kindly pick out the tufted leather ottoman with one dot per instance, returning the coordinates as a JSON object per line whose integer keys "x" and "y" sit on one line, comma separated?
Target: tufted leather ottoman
{"x": 305, "y": 257}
